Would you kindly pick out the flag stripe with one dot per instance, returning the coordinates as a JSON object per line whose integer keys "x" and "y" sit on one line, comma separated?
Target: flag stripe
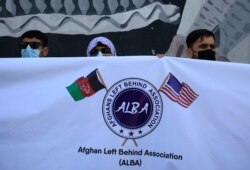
{"x": 85, "y": 87}
{"x": 94, "y": 81}
{"x": 183, "y": 100}
{"x": 184, "y": 93}
{"x": 190, "y": 90}
{"x": 169, "y": 93}
{"x": 75, "y": 92}
{"x": 182, "y": 104}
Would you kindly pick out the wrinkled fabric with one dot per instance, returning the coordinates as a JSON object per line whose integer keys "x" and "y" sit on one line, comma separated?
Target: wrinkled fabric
{"x": 102, "y": 40}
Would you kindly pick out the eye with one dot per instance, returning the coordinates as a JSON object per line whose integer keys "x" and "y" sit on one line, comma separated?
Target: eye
{"x": 105, "y": 50}
{"x": 203, "y": 46}
{"x": 94, "y": 52}
{"x": 23, "y": 45}
{"x": 212, "y": 46}
{"x": 34, "y": 45}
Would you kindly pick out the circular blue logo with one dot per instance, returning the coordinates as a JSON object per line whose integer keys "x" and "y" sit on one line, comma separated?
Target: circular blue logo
{"x": 132, "y": 108}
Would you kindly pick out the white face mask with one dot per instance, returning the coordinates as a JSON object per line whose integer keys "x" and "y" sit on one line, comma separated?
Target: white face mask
{"x": 99, "y": 54}
{"x": 29, "y": 52}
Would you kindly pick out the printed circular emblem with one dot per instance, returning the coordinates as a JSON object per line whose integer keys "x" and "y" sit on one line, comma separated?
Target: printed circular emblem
{"x": 132, "y": 108}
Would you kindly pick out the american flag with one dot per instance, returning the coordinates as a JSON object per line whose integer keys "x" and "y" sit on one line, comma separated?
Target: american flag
{"x": 178, "y": 92}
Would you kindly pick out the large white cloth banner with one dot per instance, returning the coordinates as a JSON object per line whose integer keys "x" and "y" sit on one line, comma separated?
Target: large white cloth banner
{"x": 124, "y": 112}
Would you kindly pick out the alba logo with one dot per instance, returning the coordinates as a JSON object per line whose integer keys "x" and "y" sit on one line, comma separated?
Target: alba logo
{"x": 132, "y": 108}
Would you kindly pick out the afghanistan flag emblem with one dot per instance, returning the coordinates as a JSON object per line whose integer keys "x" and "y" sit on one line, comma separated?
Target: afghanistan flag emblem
{"x": 86, "y": 86}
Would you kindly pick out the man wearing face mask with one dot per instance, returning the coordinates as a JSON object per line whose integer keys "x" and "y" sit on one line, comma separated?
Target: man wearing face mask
{"x": 34, "y": 44}
{"x": 201, "y": 44}
{"x": 100, "y": 47}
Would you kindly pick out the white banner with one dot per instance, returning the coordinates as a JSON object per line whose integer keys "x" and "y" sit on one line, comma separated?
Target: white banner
{"x": 124, "y": 112}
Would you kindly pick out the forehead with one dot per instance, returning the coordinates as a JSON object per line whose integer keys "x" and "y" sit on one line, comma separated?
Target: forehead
{"x": 33, "y": 39}
{"x": 205, "y": 40}
{"x": 100, "y": 46}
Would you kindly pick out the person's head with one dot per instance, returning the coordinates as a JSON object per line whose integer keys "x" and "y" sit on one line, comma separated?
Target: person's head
{"x": 101, "y": 46}
{"x": 34, "y": 43}
{"x": 201, "y": 44}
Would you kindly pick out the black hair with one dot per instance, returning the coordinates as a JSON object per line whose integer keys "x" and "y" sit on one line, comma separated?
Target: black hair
{"x": 36, "y": 34}
{"x": 101, "y": 44}
{"x": 196, "y": 34}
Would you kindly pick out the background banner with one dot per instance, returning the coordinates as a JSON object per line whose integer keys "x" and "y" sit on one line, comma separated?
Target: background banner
{"x": 119, "y": 112}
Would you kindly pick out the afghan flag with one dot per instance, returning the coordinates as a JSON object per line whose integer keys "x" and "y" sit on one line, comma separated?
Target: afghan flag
{"x": 85, "y": 86}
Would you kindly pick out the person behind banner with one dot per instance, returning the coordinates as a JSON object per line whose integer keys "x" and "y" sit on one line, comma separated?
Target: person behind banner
{"x": 101, "y": 46}
{"x": 201, "y": 44}
{"x": 34, "y": 44}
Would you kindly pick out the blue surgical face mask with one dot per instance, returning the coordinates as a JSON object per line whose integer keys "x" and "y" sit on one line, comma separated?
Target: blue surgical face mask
{"x": 29, "y": 52}
{"x": 99, "y": 54}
